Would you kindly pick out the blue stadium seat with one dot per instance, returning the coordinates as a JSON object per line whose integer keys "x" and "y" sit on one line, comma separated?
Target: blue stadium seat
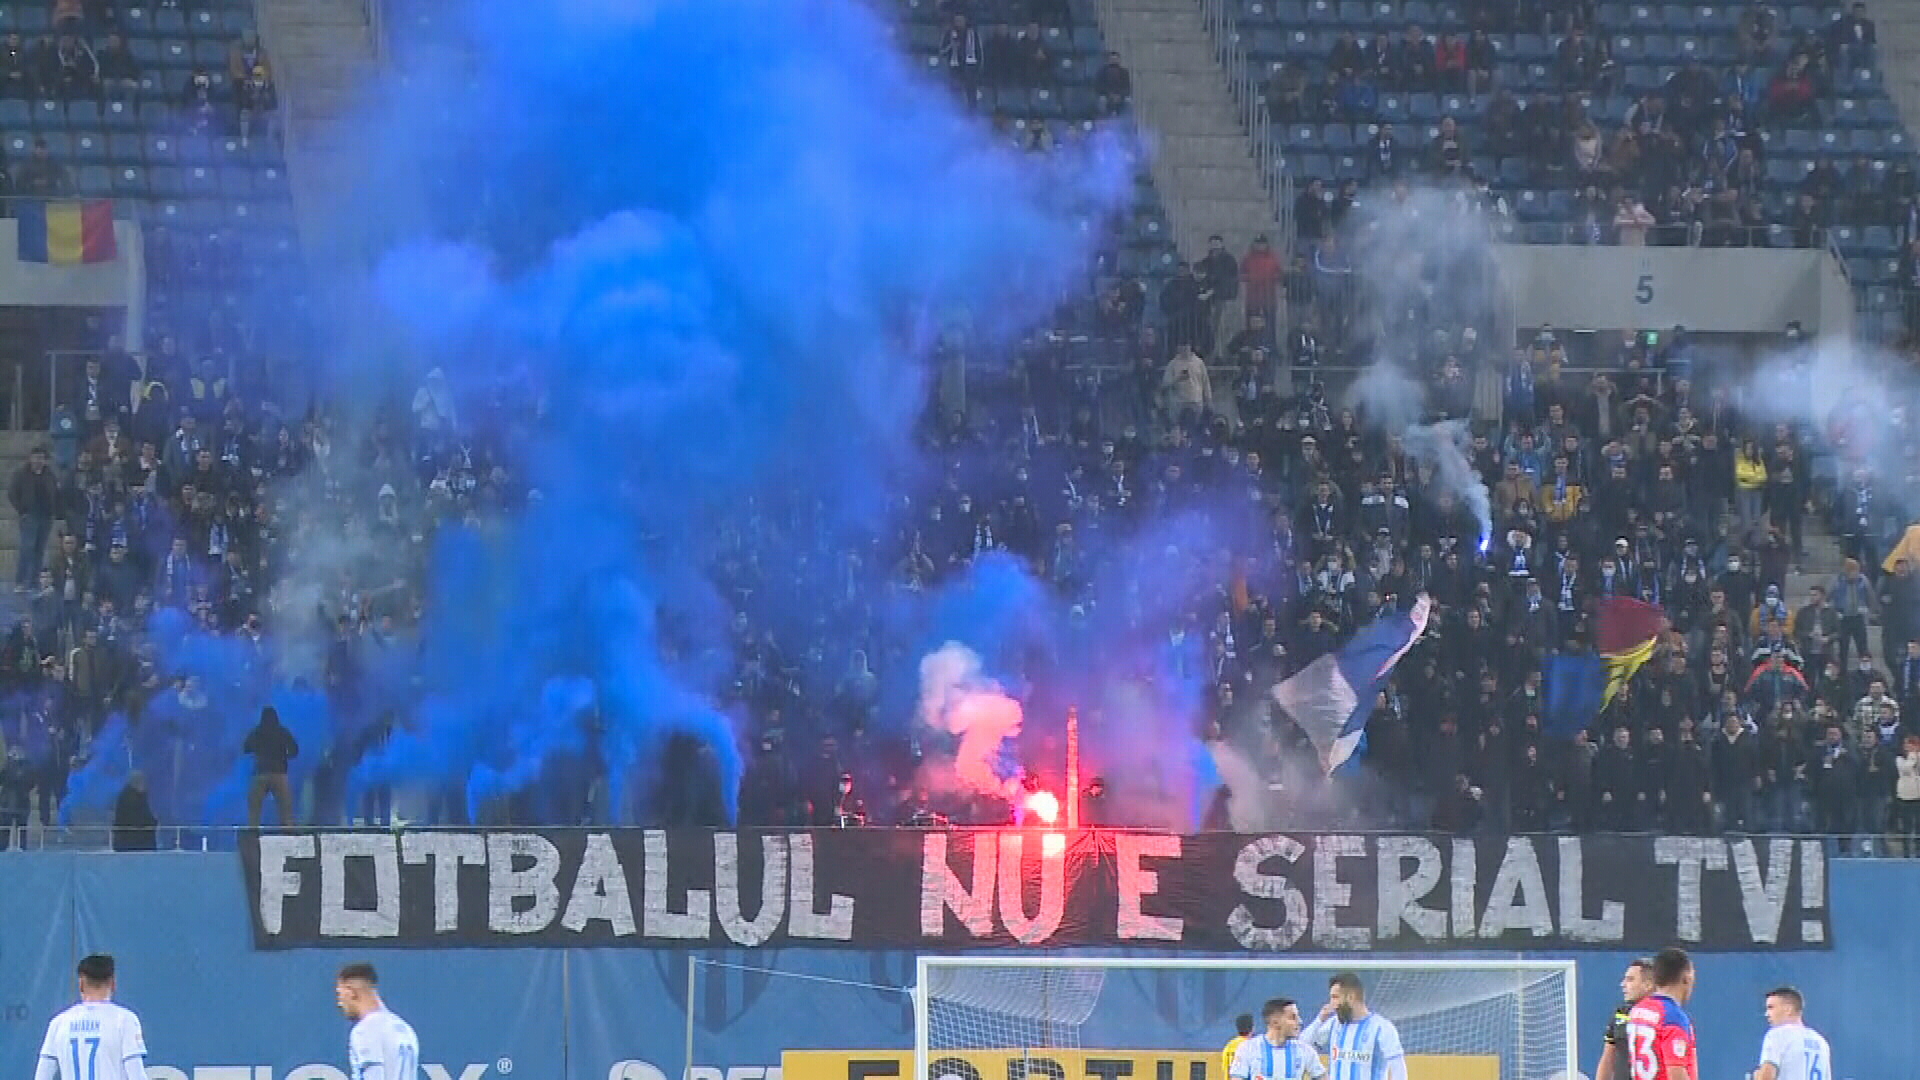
{"x": 49, "y": 116}
{"x": 1896, "y": 143}
{"x": 59, "y": 145}
{"x": 154, "y": 115}
{"x": 1645, "y": 17}
{"x": 1313, "y": 167}
{"x": 130, "y": 180}
{"x": 1529, "y": 205}
{"x": 19, "y": 144}
{"x": 1709, "y": 17}
{"x": 1784, "y": 172}
{"x": 205, "y": 24}
{"x": 1880, "y": 241}
{"x": 201, "y": 182}
{"x": 125, "y": 147}
{"x": 83, "y": 113}
{"x": 166, "y": 182}
{"x": 89, "y": 147}
{"x": 34, "y": 18}
{"x": 1337, "y": 137}
{"x": 211, "y": 55}
{"x": 1798, "y": 142}
{"x": 1678, "y": 19}
{"x": 1846, "y": 112}
{"x": 1660, "y": 49}
{"x": 162, "y": 149}
{"x": 136, "y": 22}
{"x": 1867, "y": 141}
{"x": 1830, "y": 143}
{"x": 1348, "y": 167}
{"x": 1530, "y": 47}
{"x": 1353, "y": 13}
{"x": 1423, "y": 13}
{"x": 94, "y": 181}
{"x": 1862, "y": 82}
{"x": 170, "y": 21}
{"x": 1847, "y": 239}
{"x": 1302, "y": 136}
{"x": 1322, "y": 13}
{"x": 1424, "y": 108}
{"x": 14, "y": 114}
{"x": 1393, "y": 108}
{"x": 1882, "y": 113}
{"x": 1611, "y": 16}
{"x": 176, "y": 53}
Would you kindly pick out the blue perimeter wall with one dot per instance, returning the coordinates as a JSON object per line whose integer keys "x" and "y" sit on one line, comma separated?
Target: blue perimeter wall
{"x": 179, "y": 924}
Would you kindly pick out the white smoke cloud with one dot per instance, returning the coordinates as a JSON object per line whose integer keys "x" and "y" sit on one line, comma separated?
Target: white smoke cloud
{"x": 958, "y": 699}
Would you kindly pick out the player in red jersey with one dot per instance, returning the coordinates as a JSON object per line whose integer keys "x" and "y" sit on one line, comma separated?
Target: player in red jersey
{"x": 1660, "y": 1042}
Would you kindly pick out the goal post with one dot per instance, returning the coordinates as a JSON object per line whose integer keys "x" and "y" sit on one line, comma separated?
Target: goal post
{"x": 1459, "y": 1018}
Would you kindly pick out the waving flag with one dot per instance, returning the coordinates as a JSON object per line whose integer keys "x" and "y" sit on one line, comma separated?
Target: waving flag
{"x": 1573, "y": 685}
{"x": 1332, "y": 697}
{"x": 1624, "y": 635}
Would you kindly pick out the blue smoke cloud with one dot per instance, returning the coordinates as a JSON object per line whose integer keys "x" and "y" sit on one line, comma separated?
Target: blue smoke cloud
{"x": 710, "y": 246}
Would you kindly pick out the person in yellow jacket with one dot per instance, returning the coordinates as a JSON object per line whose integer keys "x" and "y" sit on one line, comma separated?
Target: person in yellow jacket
{"x": 1750, "y": 482}
{"x": 1560, "y": 495}
{"x": 1244, "y": 1025}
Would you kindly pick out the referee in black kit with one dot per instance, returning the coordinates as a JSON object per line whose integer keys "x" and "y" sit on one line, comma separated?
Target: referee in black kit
{"x": 1634, "y": 985}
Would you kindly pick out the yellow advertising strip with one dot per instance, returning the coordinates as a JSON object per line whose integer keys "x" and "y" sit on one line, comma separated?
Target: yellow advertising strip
{"x": 1075, "y": 1065}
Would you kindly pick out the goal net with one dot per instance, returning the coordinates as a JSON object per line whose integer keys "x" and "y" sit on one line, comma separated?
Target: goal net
{"x": 1169, "y": 1018}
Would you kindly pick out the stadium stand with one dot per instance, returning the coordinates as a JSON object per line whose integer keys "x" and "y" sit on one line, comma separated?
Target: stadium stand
{"x": 1642, "y": 479}
{"x": 1728, "y": 124}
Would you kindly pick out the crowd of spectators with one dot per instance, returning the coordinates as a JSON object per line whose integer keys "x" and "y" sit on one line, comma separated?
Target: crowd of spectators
{"x": 1685, "y": 164}
{"x": 166, "y": 486}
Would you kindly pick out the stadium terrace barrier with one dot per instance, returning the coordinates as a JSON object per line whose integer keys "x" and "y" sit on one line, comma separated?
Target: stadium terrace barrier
{"x": 1707, "y": 290}
{"x": 180, "y": 927}
{"x": 1688, "y": 235}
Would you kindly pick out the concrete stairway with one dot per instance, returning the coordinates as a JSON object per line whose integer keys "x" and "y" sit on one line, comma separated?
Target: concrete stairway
{"x": 1897, "y": 24}
{"x": 1202, "y": 162}
{"x": 325, "y": 61}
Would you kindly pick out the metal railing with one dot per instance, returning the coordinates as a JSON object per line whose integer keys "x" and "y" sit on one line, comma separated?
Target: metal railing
{"x": 376, "y": 13}
{"x": 1689, "y": 234}
{"x": 212, "y": 839}
{"x": 1247, "y": 89}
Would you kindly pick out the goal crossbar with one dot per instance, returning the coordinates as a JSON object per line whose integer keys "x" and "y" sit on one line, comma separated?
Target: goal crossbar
{"x": 1522, "y": 969}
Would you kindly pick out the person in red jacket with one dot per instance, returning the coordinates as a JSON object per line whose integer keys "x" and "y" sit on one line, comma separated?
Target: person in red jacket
{"x": 1260, "y": 275}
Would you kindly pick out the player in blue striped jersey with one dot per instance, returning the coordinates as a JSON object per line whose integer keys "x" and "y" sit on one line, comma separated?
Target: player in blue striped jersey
{"x": 1277, "y": 1053}
{"x": 1360, "y": 1044}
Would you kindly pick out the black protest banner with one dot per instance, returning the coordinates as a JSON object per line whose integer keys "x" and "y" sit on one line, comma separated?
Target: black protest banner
{"x": 984, "y": 888}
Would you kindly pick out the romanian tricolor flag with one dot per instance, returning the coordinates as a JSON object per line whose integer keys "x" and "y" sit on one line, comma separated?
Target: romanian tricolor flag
{"x": 1625, "y": 633}
{"x": 66, "y": 232}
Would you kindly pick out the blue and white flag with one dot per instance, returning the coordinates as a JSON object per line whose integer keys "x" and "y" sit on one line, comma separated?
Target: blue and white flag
{"x": 1332, "y": 697}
